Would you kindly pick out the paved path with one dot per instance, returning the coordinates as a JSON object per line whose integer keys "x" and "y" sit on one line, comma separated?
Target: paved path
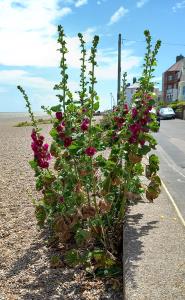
{"x": 154, "y": 250}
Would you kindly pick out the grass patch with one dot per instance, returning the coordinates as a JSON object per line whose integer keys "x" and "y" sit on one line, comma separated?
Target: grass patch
{"x": 39, "y": 121}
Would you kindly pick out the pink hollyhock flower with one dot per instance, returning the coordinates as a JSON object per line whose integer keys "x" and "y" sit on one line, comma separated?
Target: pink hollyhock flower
{"x": 84, "y": 110}
{"x": 59, "y": 115}
{"x": 67, "y": 141}
{"x": 45, "y": 147}
{"x": 90, "y": 151}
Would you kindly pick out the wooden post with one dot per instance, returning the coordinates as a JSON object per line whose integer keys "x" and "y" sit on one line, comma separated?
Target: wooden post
{"x": 119, "y": 67}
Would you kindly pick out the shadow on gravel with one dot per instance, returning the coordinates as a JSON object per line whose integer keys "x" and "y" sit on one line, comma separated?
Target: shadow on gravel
{"x": 133, "y": 246}
{"x": 38, "y": 281}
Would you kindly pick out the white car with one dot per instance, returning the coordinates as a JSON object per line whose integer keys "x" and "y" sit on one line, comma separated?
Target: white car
{"x": 166, "y": 113}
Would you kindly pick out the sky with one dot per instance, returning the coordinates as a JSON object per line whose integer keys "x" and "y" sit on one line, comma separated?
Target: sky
{"x": 28, "y": 47}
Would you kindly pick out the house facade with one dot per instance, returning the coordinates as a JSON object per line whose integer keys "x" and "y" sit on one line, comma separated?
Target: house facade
{"x": 131, "y": 90}
{"x": 173, "y": 85}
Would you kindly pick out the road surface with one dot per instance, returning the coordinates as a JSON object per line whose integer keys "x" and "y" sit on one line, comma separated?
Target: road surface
{"x": 171, "y": 151}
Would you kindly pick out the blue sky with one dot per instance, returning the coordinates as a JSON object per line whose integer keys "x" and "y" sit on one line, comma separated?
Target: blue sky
{"x": 28, "y": 32}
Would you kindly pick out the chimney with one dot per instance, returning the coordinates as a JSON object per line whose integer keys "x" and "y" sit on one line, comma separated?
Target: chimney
{"x": 134, "y": 80}
{"x": 179, "y": 57}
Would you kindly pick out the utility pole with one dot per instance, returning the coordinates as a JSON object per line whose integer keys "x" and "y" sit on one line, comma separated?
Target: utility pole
{"x": 119, "y": 67}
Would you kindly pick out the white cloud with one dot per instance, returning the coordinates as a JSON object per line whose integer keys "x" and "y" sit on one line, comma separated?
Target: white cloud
{"x": 28, "y": 32}
{"x": 16, "y": 77}
{"x": 29, "y": 36}
{"x": 141, "y": 3}
{"x": 178, "y": 5}
{"x": 81, "y": 2}
{"x": 99, "y": 2}
{"x": 118, "y": 15}
{"x": 107, "y": 61}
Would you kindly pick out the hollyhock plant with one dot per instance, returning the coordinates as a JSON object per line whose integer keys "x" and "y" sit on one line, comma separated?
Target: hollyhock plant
{"x": 85, "y": 194}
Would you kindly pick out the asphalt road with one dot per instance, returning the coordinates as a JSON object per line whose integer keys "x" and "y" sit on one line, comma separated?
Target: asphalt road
{"x": 171, "y": 151}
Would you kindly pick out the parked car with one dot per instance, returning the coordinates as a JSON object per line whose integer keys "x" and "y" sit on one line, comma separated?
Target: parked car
{"x": 166, "y": 113}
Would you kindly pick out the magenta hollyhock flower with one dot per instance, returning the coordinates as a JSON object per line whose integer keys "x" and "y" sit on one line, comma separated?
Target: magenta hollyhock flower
{"x": 34, "y": 135}
{"x": 62, "y": 135}
{"x": 34, "y": 146}
{"x": 84, "y": 110}
{"x": 114, "y": 136}
{"x": 41, "y": 154}
{"x": 133, "y": 139}
{"x": 67, "y": 141}
{"x": 116, "y": 119}
{"x": 43, "y": 163}
{"x": 59, "y": 115}
{"x": 85, "y": 124}
{"x": 61, "y": 199}
{"x": 60, "y": 128}
{"x": 144, "y": 121}
{"x": 134, "y": 128}
{"x": 90, "y": 151}
{"x": 119, "y": 121}
{"x": 134, "y": 112}
{"x": 126, "y": 108}
{"x": 142, "y": 142}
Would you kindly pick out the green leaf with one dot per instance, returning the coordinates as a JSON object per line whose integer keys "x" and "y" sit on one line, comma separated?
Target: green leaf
{"x": 113, "y": 271}
{"x": 96, "y": 106}
{"x": 53, "y": 133}
{"x": 72, "y": 257}
{"x": 56, "y": 108}
{"x": 144, "y": 150}
{"x": 81, "y": 236}
{"x": 33, "y": 164}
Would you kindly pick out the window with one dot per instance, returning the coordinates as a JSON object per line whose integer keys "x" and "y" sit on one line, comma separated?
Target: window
{"x": 183, "y": 91}
{"x": 170, "y": 77}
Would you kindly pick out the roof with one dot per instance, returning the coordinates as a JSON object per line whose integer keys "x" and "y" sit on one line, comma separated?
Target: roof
{"x": 134, "y": 86}
{"x": 177, "y": 66}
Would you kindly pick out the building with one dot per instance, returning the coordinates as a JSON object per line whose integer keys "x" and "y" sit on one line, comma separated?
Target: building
{"x": 130, "y": 91}
{"x": 173, "y": 86}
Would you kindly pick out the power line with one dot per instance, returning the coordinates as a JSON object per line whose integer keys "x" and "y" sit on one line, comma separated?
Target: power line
{"x": 163, "y": 43}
